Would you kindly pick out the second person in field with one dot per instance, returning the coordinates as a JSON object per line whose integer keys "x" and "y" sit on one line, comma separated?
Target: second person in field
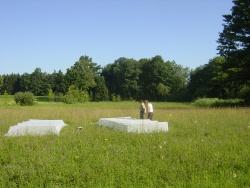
{"x": 149, "y": 109}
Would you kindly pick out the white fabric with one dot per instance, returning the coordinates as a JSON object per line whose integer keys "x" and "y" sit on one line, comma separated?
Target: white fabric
{"x": 150, "y": 107}
{"x": 36, "y": 127}
{"x": 134, "y": 125}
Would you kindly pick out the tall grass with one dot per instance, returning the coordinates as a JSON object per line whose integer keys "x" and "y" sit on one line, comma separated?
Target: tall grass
{"x": 203, "y": 148}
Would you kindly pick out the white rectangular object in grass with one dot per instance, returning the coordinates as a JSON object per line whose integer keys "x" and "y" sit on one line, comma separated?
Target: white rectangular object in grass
{"x": 36, "y": 127}
{"x": 128, "y": 124}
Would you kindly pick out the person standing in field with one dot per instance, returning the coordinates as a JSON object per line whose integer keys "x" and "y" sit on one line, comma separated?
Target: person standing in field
{"x": 142, "y": 109}
{"x": 150, "y": 110}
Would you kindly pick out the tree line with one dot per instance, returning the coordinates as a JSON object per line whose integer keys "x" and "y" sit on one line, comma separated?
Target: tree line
{"x": 224, "y": 76}
{"x": 125, "y": 79}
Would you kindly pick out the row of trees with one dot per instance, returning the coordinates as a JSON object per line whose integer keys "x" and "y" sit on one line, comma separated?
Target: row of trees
{"x": 84, "y": 75}
{"x": 126, "y": 78}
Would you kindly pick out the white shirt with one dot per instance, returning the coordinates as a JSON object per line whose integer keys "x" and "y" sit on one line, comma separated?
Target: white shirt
{"x": 143, "y": 108}
{"x": 150, "y": 108}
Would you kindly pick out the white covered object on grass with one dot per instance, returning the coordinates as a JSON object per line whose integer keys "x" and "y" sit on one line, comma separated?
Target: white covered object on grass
{"x": 36, "y": 127}
{"x": 129, "y": 124}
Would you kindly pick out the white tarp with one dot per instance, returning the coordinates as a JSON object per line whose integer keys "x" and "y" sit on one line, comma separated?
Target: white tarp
{"x": 36, "y": 127}
{"x": 129, "y": 124}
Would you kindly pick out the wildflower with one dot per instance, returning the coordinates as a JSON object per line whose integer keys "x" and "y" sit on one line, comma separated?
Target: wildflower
{"x": 234, "y": 175}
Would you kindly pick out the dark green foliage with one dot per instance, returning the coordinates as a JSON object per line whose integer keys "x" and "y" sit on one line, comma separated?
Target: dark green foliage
{"x": 82, "y": 74}
{"x": 212, "y": 80}
{"x": 122, "y": 78}
{"x": 161, "y": 80}
{"x": 1, "y": 84}
{"x": 234, "y": 42}
{"x": 129, "y": 79}
{"x": 100, "y": 91}
{"x": 25, "y": 82}
{"x": 57, "y": 82}
{"x": 154, "y": 72}
{"x": 152, "y": 78}
{"x": 244, "y": 93}
{"x": 209, "y": 80}
{"x": 38, "y": 82}
{"x": 24, "y": 98}
{"x": 10, "y": 83}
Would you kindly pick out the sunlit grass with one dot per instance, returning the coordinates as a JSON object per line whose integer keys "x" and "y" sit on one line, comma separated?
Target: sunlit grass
{"x": 203, "y": 148}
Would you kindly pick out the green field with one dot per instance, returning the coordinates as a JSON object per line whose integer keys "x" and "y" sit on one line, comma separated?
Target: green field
{"x": 203, "y": 148}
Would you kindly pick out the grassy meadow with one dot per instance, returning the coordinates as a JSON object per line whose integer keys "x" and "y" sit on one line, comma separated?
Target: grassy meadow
{"x": 205, "y": 147}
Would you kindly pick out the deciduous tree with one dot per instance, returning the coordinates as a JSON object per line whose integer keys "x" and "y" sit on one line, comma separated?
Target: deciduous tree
{"x": 82, "y": 74}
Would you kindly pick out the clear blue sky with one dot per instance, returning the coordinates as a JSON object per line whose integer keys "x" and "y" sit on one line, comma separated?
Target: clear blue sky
{"x": 53, "y": 34}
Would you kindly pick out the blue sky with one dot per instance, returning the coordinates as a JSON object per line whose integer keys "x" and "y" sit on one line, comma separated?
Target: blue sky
{"x": 53, "y": 34}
